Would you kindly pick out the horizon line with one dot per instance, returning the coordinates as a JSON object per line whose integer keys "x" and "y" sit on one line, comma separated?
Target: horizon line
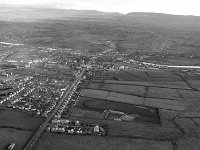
{"x": 60, "y": 8}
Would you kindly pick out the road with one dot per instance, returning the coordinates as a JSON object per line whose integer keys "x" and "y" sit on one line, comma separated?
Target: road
{"x": 30, "y": 145}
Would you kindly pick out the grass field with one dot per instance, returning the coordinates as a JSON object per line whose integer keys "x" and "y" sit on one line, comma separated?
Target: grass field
{"x": 17, "y": 127}
{"x": 112, "y": 96}
{"x": 12, "y": 118}
{"x": 131, "y": 130}
{"x": 78, "y": 112}
{"x": 126, "y": 89}
{"x": 175, "y": 85}
{"x": 9, "y": 135}
{"x": 51, "y": 141}
{"x": 90, "y": 107}
{"x": 146, "y": 75}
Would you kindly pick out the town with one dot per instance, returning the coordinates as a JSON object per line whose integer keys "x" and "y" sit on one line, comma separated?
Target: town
{"x": 50, "y": 83}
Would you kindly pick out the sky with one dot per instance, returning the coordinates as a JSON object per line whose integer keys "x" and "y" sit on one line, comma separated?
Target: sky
{"x": 178, "y": 7}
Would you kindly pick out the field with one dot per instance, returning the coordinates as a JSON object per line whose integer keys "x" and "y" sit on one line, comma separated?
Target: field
{"x": 145, "y": 114}
{"x": 16, "y": 127}
{"x": 156, "y": 101}
{"x": 9, "y": 135}
{"x": 151, "y": 76}
{"x": 152, "y": 98}
{"x": 50, "y": 141}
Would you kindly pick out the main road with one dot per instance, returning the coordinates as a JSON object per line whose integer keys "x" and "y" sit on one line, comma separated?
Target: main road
{"x": 31, "y": 143}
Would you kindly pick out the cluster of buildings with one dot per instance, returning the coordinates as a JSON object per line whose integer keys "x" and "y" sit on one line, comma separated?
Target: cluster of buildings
{"x": 76, "y": 127}
{"x": 119, "y": 116}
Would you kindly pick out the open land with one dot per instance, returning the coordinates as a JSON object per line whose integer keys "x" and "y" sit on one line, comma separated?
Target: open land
{"x": 17, "y": 126}
{"x": 101, "y": 81}
{"x": 156, "y": 96}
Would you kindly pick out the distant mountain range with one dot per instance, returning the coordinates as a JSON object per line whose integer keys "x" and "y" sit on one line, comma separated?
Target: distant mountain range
{"x": 33, "y": 14}
{"x": 28, "y": 14}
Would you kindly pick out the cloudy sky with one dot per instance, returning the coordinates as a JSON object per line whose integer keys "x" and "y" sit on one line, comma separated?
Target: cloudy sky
{"x": 181, "y": 7}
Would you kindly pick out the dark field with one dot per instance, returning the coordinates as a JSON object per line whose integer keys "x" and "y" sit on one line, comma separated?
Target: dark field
{"x": 17, "y": 127}
{"x": 150, "y": 76}
{"x": 51, "y": 141}
{"x": 145, "y": 114}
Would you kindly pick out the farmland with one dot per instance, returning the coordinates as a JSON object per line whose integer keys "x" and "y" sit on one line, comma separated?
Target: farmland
{"x": 16, "y": 126}
{"x": 158, "y": 99}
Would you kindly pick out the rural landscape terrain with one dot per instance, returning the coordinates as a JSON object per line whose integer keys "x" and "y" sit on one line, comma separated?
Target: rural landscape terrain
{"x": 90, "y": 80}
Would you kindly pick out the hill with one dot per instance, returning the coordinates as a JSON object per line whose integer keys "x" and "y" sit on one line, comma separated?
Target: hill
{"x": 33, "y": 14}
{"x": 161, "y": 37}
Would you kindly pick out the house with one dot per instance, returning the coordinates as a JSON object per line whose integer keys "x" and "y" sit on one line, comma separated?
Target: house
{"x": 11, "y": 146}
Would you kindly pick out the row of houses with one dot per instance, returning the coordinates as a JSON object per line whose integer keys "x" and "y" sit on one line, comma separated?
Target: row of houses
{"x": 75, "y": 127}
